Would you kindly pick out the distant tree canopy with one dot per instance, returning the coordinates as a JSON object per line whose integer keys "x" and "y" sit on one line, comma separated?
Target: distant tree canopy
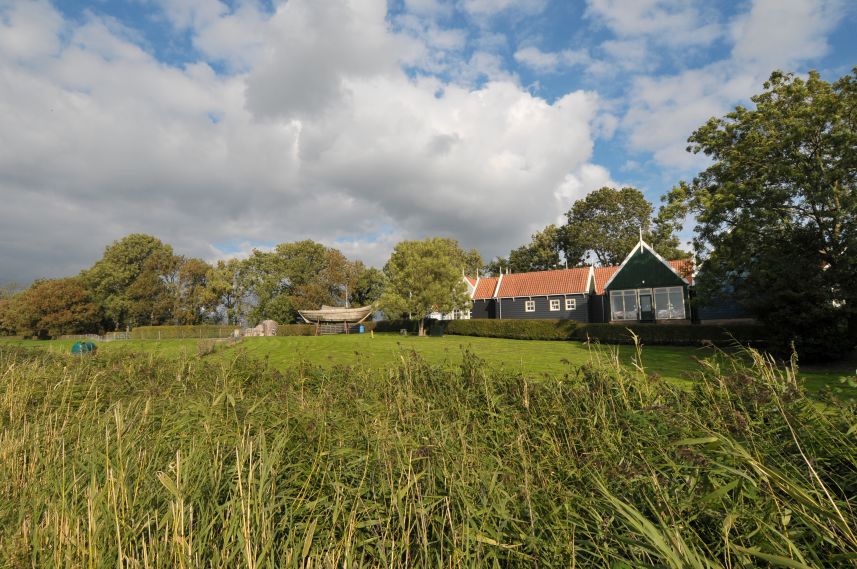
{"x": 602, "y": 227}
{"x": 140, "y": 281}
{"x": 606, "y": 225}
{"x": 427, "y": 276}
{"x": 55, "y": 307}
{"x": 777, "y": 209}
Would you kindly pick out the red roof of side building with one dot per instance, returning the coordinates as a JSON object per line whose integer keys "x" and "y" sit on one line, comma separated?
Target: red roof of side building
{"x": 563, "y": 281}
{"x": 683, "y": 267}
{"x": 471, "y": 280}
{"x": 602, "y": 275}
{"x": 485, "y": 288}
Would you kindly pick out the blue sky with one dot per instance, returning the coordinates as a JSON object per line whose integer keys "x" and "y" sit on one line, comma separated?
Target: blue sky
{"x": 220, "y": 126}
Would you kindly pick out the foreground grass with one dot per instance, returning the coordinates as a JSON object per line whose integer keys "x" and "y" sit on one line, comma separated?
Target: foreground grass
{"x": 130, "y": 460}
{"x": 531, "y": 358}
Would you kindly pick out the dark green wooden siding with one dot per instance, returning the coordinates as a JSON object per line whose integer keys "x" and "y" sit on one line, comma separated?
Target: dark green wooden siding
{"x": 644, "y": 270}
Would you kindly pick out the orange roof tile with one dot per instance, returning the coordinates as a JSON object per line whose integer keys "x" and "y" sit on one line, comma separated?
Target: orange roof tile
{"x": 471, "y": 280}
{"x": 602, "y": 275}
{"x": 683, "y": 267}
{"x": 563, "y": 281}
{"x": 485, "y": 288}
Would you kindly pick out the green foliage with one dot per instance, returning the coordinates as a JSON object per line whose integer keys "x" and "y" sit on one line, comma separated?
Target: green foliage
{"x": 295, "y": 330}
{"x": 175, "y": 332}
{"x": 296, "y": 276}
{"x": 777, "y": 209}
{"x": 426, "y": 276}
{"x": 541, "y": 254}
{"x": 136, "y": 461}
{"x": 607, "y": 222}
{"x": 111, "y": 278}
{"x": 52, "y": 308}
{"x": 514, "y": 329}
{"x": 674, "y": 334}
{"x": 648, "y": 334}
{"x": 369, "y": 286}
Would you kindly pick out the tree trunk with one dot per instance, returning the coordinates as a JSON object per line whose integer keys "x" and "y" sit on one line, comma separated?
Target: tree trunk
{"x": 422, "y": 331}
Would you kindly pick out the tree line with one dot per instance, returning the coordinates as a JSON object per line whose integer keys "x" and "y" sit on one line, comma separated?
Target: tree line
{"x": 775, "y": 228}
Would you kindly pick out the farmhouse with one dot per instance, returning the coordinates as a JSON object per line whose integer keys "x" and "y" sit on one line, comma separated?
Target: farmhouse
{"x": 644, "y": 288}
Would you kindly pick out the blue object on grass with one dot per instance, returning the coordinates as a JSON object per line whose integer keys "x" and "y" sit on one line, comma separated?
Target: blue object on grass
{"x": 84, "y": 348}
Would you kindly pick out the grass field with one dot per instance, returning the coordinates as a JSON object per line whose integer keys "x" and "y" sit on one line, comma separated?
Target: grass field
{"x": 150, "y": 456}
{"x": 530, "y": 358}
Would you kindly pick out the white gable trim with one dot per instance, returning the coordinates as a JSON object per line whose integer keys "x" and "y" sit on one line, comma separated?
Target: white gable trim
{"x": 643, "y": 245}
{"x": 497, "y": 288}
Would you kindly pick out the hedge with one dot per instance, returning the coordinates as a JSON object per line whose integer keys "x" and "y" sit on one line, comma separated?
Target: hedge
{"x": 173, "y": 332}
{"x": 651, "y": 334}
{"x": 673, "y": 334}
{"x": 514, "y": 329}
{"x": 295, "y": 330}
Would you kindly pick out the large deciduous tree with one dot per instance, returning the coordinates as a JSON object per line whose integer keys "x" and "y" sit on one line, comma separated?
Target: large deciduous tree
{"x": 606, "y": 225}
{"x": 777, "y": 209}
{"x": 427, "y": 276}
{"x": 295, "y": 276}
{"x": 110, "y": 279}
{"x": 55, "y": 307}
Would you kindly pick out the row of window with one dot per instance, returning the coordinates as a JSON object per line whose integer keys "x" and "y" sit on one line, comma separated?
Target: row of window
{"x": 554, "y": 305}
{"x": 648, "y": 303}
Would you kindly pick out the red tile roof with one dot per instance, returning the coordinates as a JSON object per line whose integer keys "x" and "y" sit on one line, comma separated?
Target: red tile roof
{"x": 602, "y": 275}
{"x": 471, "y": 280}
{"x": 683, "y": 267}
{"x": 563, "y": 281}
{"x": 485, "y": 288}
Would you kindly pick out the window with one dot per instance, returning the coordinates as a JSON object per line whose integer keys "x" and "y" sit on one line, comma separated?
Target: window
{"x": 530, "y": 306}
{"x": 669, "y": 303}
{"x": 570, "y": 303}
{"x": 623, "y": 304}
{"x": 554, "y": 305}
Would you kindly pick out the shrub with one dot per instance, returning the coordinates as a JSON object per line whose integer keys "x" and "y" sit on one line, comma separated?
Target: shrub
{"x": 514, "y": 329}
{"x": 174, "y": 332}
{"x": 295, "y": 330}
{"x": 672, "y": 334}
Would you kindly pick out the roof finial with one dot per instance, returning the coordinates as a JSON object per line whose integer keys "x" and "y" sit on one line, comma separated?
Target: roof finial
{"x": 641, "y": 234}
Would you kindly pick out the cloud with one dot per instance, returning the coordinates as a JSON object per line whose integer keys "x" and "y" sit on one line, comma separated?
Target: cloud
{"x": 668, "y": 22}
{"x": 784, "y": 32}
{"x": 551, "y": 62}
{"x": 493, "y": 7}
{"x": 323, "y": 137}
{"x": 664, "y": 110}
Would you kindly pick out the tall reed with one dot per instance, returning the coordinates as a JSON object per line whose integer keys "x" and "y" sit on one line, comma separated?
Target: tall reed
{"x": 136, "y": 461}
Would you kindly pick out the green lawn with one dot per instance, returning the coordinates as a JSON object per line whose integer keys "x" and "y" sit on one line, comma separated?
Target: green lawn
{"x": 528, "y": 357}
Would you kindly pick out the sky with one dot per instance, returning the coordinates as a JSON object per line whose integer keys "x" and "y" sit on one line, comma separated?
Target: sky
{"x": 220, "y": 126}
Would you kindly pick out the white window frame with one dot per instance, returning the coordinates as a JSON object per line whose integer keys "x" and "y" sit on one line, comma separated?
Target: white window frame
{"x": 554, "y": 305}
{"x": 529, "y": 306}
{"x": 627, "y": 316}
{"x": 570, "y": 303}
{"x": 670, "y": 311}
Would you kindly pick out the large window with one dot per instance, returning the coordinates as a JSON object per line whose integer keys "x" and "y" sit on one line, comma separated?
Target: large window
{"x": 623, "y": 304}
{"x": 669, "y": 303}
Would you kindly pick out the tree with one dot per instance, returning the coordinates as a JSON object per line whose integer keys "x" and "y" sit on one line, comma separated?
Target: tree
{"x": 191, "y": 303}
{"x": 225, "y": 291}
{"x": 306, "y": 274}
{"x": 56, "y": 307}
{"x": 541, "y": 254}
{"x": 369, "y": 286}
{"x": 426, "y": 276}
{"x": 606, "y": 224}
{"x": 110, "y": 278}
{"x": 777, "y": 209}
